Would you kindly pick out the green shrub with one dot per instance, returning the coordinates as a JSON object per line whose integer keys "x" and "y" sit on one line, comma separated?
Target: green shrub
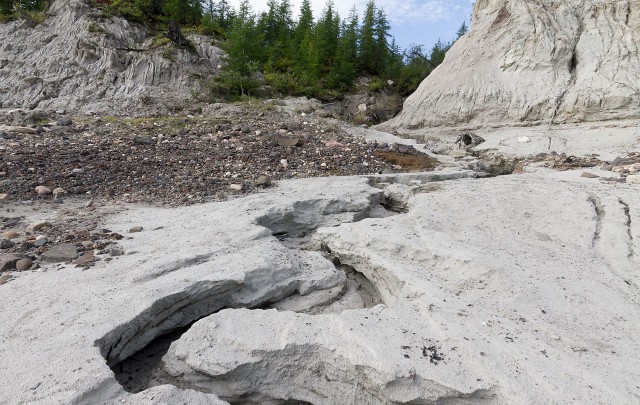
{"x": 375, "y": 85}
{"x": 95, "y": 29}
{"x": 169, "y": 54}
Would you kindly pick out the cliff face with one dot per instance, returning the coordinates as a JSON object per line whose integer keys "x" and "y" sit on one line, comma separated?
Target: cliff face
{"x": 535, "y": 61}
{"x": 81, "y": 59}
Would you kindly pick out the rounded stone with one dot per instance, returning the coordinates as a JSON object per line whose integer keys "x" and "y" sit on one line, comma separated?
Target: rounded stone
{"x": 43, "y": 190}
{"x": 11, "y": 234}
{"x": 24, "y": 264}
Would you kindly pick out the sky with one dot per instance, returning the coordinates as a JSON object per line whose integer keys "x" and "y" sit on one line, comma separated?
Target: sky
{"x": 419, "y": 22}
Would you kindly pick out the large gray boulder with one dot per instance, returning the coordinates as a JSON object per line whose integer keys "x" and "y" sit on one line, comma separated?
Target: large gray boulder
{"x": 80, "y": 58}
{"x": 535, "y": 61}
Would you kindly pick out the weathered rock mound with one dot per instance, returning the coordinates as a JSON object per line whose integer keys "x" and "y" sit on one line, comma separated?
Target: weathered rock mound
{"x": 535, "y": 61}
{"x": 80, "y": 59}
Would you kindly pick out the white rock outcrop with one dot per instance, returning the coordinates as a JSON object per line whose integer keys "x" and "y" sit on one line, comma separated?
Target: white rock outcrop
{"x": 80, "y": 59}
{"x": 490, "y": 292}
{"x": 535, "y": 61}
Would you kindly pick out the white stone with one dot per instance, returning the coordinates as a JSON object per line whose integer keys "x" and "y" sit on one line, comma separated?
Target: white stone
{"x": 524, "y": 139}
{"x": 633, "y": 179}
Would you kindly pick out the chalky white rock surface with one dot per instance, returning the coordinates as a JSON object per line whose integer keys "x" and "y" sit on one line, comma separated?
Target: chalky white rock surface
{"x": 76, "y": 60}
{"x": 535, "y": 61}
{"x": 529, "y": 300}
{"x": 519, "y": 289}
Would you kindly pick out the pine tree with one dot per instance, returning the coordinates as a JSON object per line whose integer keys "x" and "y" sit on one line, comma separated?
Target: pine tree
{"x": 305, "y": 22}
{"x": 327, "y": 36}
{"x": 187, "y": 12}
{"x": 345, "y": 70}
{"x": 243, "y": 53}
{"x": 381, "y": 51}
{"x": 462, "y": 30}
{"x": 366, "y": 57}
{"x": 438, "y": 52}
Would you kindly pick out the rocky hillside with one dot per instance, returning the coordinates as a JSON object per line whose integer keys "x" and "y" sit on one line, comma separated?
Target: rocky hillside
{"x": 535, "y": 61}
{"x": 82, "y": 59}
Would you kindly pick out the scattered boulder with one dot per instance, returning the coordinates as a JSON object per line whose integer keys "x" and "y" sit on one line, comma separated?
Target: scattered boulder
{"x": 24, "y": 264}
{"x": 6, "y": 244}
{"x": 5, "y": 278}
{"x": 136, "y": 229}
{"x": 43, "y": 190}
{"x": 57, "y": 192}
{"x": 35, "y": 227}
{"x": 19, "y": 130}
{"x": 8, "y": 261}
{"x": 143, "y": 140}
{"x": 64, "y": 252}
{"x": 41, "y": 240}
{"x": 235, "y": 187}
{"x": 633, "y": 179}
{"x": 64, "y": 121}
{"x": 290, "y": 142}
{"x": 589, "y": 175}
{"x": 11, "y": 234}
{"x": 263, "y": 181}
{"x": 4, "y": 197}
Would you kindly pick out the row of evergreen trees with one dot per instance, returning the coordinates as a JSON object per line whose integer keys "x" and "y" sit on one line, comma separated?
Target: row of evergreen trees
{"x": 312, "y": 57}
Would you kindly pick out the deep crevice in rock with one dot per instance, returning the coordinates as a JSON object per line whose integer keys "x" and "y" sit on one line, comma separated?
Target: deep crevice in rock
{"x": 141, "y": 369}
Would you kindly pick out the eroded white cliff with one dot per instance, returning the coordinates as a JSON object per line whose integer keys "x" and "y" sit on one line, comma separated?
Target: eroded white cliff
{"x": 535, "y": 61}
{"x": 78, "y": 58}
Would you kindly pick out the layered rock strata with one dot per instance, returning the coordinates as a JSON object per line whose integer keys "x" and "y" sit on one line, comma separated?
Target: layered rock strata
{"x": 81, "y": 59}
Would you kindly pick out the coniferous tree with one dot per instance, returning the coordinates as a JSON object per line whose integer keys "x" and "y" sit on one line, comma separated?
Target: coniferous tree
{"x": 187, "y": 12}
{"x": 438, "y": 52}
{"x": 462, "y": 30}
{"x": 381, "y": 50}
{"x": 346, "y": 69}
{"x": 327, "y": 37}
{"x": 243, "y": 52}
{"x": 366, "y": 57}
{"x": 305, "y": 22}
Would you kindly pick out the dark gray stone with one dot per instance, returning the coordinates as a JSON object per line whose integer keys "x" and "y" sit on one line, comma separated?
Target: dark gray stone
{"x": 65, "y": 252}
{"x": 8, "y": 261}
{"x": 290, "y": 142}
{"x": 143, "y": 140}
{"x": 263, "y": 181}
{"x": 6, "y": 244}
{"x": 64, "y": 121}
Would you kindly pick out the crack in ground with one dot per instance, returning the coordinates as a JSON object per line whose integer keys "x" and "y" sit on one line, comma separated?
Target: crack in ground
{"x": 627, "y": 213}
{"x": 138, "y": 370}
{"x": 600, "y": 214}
